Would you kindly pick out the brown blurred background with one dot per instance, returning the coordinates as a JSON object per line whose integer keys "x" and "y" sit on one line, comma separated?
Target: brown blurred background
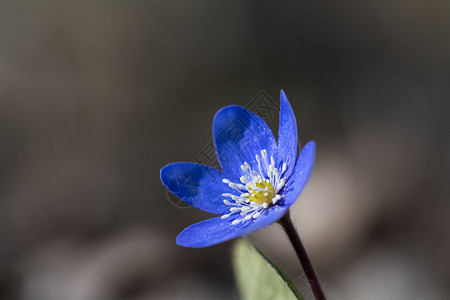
{"x": 96, "y": 96}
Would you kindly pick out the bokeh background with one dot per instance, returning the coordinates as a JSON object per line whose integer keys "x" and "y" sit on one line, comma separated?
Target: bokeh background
{"x": 97, "y": 96}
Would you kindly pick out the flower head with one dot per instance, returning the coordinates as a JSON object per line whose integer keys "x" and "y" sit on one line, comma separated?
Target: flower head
{"x": 259, "y": 178}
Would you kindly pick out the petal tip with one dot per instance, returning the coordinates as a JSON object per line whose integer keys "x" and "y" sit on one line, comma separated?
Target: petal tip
{"x": 166, "y": 173}
{"x": 311, "y": 145}
{"x": 183, "y": 240}
{"x": 308, "y": 152}
{"x": 179, "y": 241}
{"x": 227, "y": 108}
{"x": 163, "y": 174}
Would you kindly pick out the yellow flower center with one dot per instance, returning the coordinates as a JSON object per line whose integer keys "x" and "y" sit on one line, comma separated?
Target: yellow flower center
{"x": 263, "y": 192}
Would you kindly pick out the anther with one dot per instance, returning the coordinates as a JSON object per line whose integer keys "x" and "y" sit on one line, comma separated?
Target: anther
{"x": 264, "y": 153}
{"x": 240, "y": 186}
{"x": 276, "y": 198}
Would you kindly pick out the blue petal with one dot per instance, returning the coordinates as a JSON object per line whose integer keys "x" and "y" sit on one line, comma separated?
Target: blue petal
{"x": 238, "y": 136}
{"x": 287, "y": 135}
{"x": 214, "y": 231}
{"x": 197, "y": 185}
{"x": 302, "y": 171}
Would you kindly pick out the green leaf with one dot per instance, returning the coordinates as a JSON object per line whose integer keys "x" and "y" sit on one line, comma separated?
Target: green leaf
{"x": 258, "y": 278}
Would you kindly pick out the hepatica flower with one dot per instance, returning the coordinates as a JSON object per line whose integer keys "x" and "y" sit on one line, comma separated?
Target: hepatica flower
{"x": 259, "y": 179}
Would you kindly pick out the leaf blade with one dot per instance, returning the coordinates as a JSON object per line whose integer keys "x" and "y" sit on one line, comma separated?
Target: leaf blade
{"x": 258, "y": 278}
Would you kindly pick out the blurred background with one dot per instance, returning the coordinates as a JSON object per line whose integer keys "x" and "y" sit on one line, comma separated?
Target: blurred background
{"x": 97, "y": 96}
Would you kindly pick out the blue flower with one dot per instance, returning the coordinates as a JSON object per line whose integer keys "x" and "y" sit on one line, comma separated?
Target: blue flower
{"x": 260, "y": 178}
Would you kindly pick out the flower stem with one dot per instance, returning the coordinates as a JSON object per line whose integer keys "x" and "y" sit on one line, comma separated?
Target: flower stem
{"x": 291, "y": 232}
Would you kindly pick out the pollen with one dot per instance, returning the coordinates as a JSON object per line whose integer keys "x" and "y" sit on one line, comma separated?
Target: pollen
{"x": 258, "y": 190}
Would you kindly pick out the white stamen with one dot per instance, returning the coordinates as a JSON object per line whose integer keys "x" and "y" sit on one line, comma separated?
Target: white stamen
{"x": 240, "y": 186}
{"x": 245, "y": 209}
{"x": 275, "y": 171}
{"x": 264, "y": 153}
{"x": 276, "y": 199}
{"x": 280, "y": 185}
